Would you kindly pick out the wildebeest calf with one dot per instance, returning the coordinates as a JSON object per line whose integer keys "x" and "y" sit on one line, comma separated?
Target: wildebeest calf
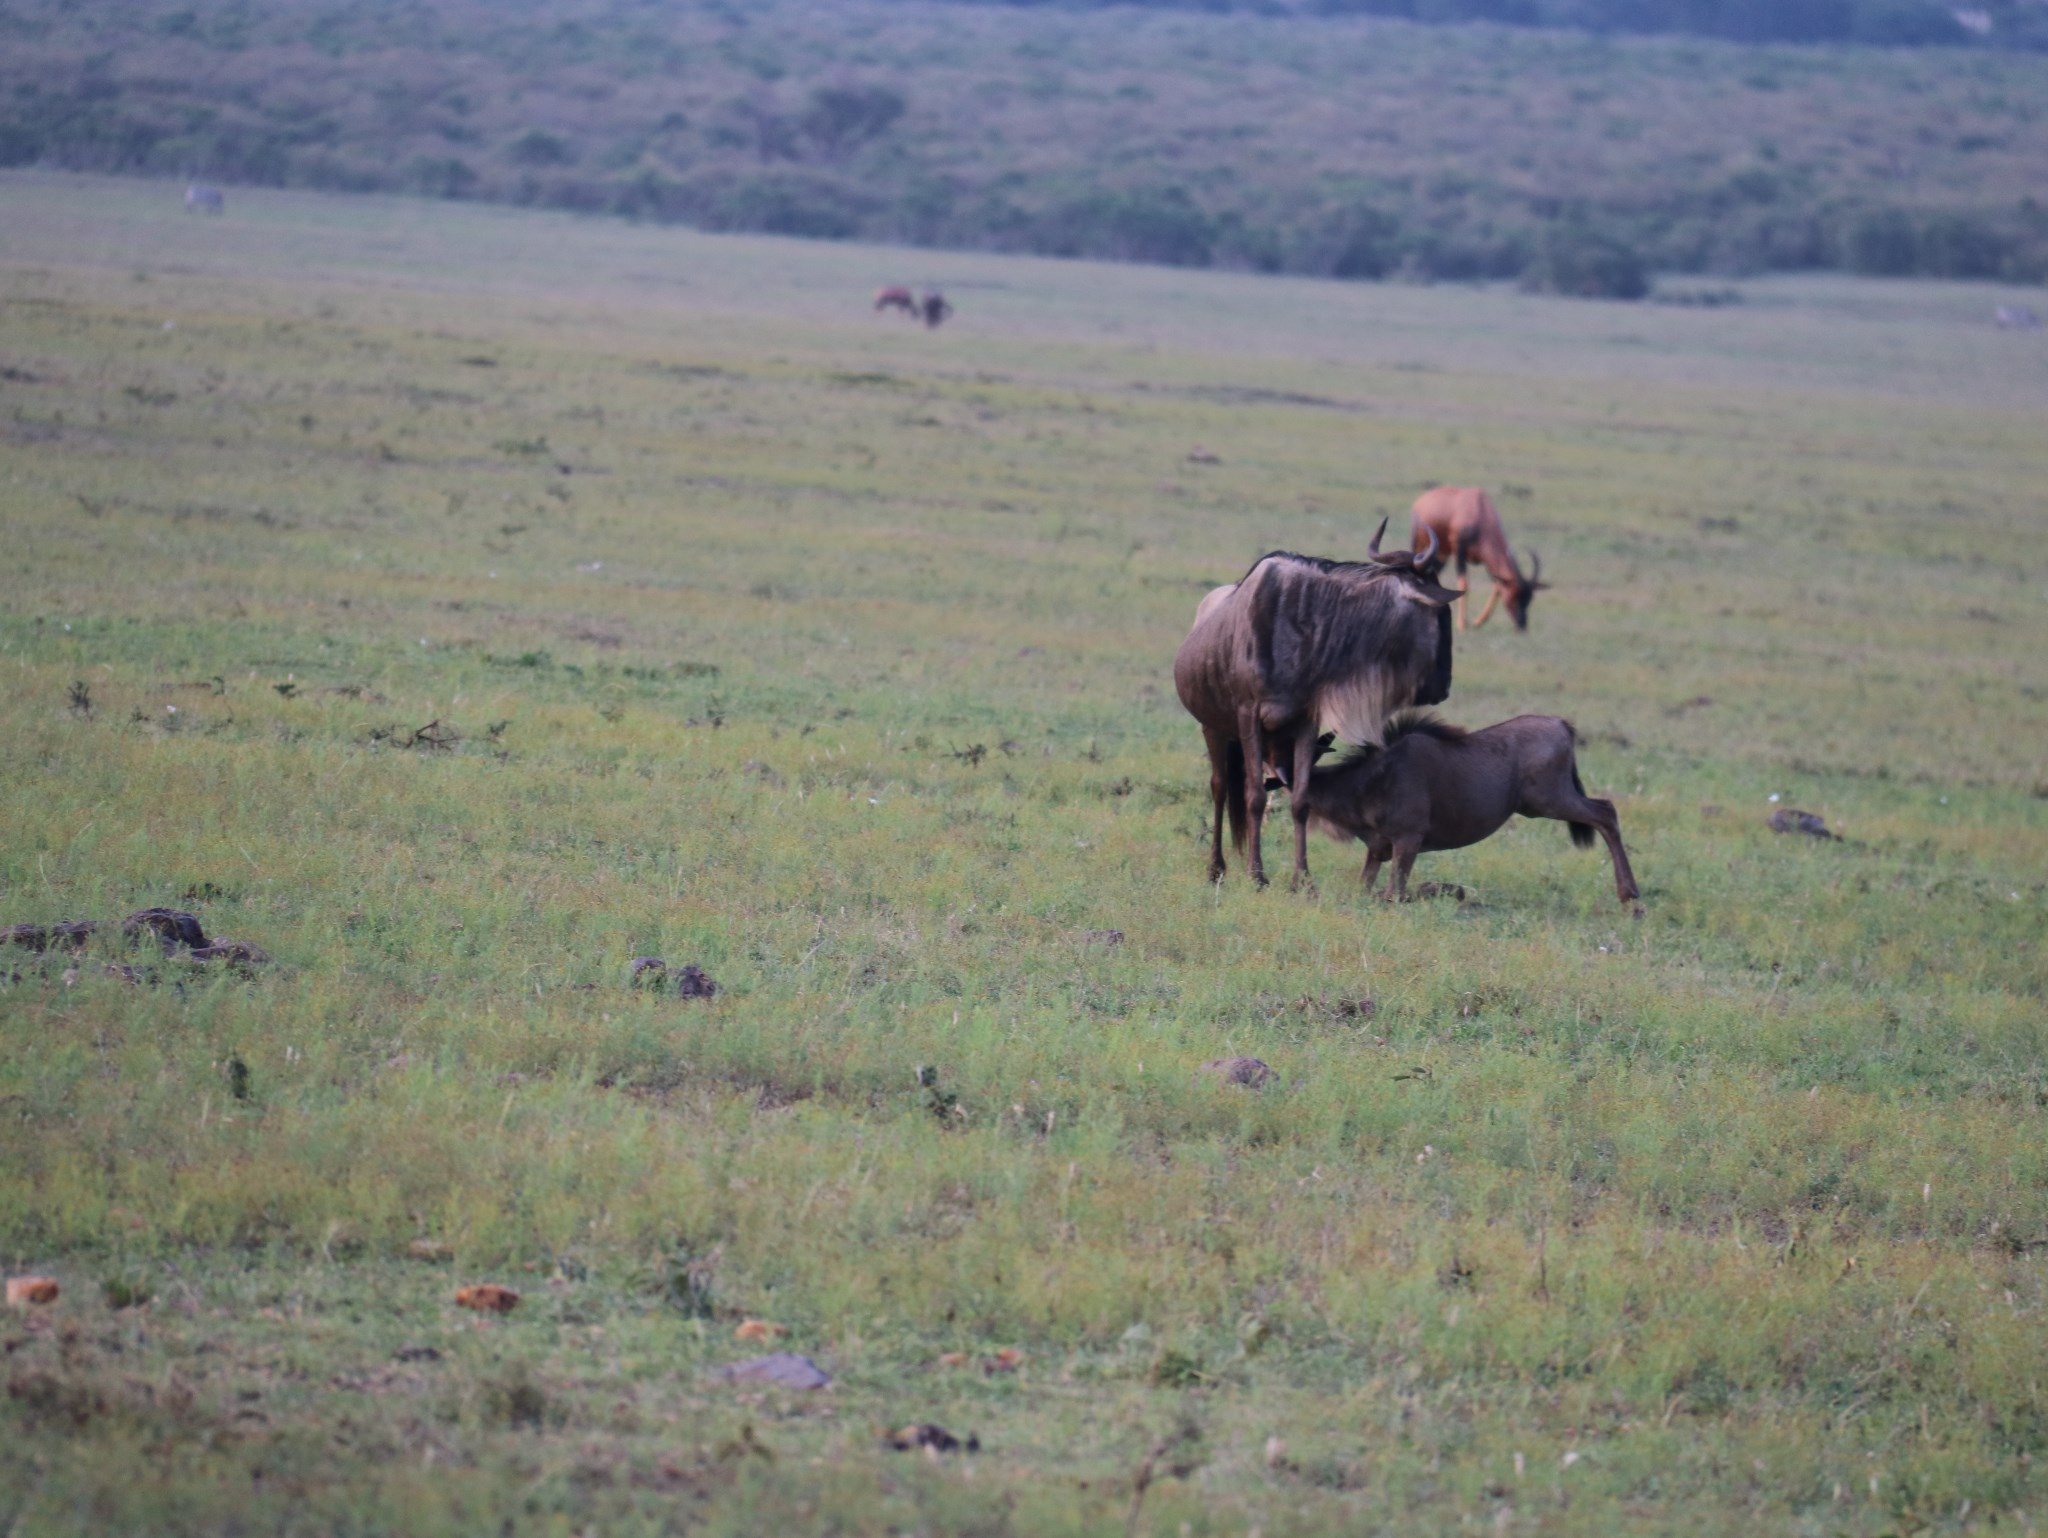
{"x": 1437, "y": 786}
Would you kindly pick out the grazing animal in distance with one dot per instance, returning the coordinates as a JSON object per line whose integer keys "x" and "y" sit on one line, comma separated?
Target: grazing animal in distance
{"x": 2016, "y": 317}
{"x": 896, "y": 297}
{"x": 1437, "y": 786}
{"x": 1298, "y": 646}
{"x": 1467, "y": 528}
{"x": 934, "y": 308}
{"x": 202, "y": 199}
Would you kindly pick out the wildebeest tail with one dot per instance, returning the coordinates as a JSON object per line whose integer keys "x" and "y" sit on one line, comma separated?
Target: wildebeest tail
{"x": 1233, "y": 794}
{"x": 1582, "y": 832}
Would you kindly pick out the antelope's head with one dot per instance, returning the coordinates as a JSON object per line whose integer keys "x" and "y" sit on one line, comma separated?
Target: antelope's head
{"x": 1524, "y": 591}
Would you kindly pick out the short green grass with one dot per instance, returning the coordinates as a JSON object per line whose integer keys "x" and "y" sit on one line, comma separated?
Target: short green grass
{"x": 833, "y": 655}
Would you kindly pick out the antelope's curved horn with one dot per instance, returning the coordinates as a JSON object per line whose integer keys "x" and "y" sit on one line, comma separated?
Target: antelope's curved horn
{"x": 1373, "y": 549}
{"x": 1535, "y": 568}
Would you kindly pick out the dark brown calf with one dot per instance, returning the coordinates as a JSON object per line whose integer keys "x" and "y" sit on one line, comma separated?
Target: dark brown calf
{"x": 1437, "y": 786}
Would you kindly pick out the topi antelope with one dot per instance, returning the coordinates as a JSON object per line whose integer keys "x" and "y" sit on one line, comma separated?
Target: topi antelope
{"x": 1466, "y": 526}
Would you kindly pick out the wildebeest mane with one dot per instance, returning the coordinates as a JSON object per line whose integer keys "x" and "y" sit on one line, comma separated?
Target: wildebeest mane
{"x": 1422, "y": 723}
{"x": 1329, "y": 639}
{"x": 1319, "y": 563}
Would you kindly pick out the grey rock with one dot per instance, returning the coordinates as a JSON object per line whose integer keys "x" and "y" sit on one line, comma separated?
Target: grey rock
{"x": 785, "y": 1369}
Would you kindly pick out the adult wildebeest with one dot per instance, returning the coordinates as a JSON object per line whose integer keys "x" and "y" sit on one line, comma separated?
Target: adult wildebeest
{"x": 935, "y": 308}
{"x": 896, "y": 297}
{"x": 1437, "y": 786}
{"x": 1466, "y": 527}
{"x": 1298, "y": 646}
{"x": 202, "y": 199}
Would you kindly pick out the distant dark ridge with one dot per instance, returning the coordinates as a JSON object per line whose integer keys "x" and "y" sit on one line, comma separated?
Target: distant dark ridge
{"x": 1286, "y": 139}
{"x": 1878, "y": 23}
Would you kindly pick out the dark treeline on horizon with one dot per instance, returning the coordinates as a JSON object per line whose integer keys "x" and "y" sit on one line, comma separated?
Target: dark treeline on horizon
{"x": 1884, "y": 23}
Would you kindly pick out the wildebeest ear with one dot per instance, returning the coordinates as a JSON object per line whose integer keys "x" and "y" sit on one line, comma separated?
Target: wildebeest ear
{"x": 1425, "y": 591}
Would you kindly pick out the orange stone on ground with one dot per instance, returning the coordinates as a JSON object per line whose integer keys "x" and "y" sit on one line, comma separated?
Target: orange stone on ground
{"x": 488, "y": 1297}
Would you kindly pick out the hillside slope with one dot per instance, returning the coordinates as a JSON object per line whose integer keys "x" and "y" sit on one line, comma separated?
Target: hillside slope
{"x": 1339, "y": 146}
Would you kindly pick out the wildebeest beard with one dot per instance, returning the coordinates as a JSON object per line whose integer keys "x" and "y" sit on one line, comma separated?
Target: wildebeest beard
{"x": 1439, "y": 687}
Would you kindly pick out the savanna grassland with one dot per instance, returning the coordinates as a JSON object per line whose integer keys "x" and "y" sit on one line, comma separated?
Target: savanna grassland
{"x": 831, "y": 655}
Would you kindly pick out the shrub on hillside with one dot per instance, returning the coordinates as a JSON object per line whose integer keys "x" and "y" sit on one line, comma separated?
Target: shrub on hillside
{"x": 1574, "y": 258}
{"x": 1147, "y": 224}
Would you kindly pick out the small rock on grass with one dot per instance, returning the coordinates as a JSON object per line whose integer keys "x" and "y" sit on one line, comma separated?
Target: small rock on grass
{"x": 932, "y": 1438}
{"x": 1790, "y": 820}
{"x": 239, "y": 955}
{"x": 173, "y": 927}
{"x": 688, "y": 982}
{"x": 433, "y": 1251}
{"x": 785, "y": 1369}
{"x": 1248, "y": 1071}
{"x": 488, "y": 1298}
{"x": 24, "y": 1291}
{"x": 40, "y": 937}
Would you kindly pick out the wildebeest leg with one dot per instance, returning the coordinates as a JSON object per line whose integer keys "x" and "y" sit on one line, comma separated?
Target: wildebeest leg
{"x": 1610, "y": 829}
{"x": 1573, "y": 805}
{"x": 1219, "y": 789}
{"x": 1253, "y": 736}
{"x": 1397, "y": 880}
{"x": 1375, "y": 855}
{"x": 1297, "y": 801}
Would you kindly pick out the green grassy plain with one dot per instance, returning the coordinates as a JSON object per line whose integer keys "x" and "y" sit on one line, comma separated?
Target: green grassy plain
{"x": 1729, "y": 1219}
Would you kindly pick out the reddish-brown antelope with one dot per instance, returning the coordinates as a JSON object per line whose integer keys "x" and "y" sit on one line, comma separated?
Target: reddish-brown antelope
{"x": 1437, "y": 786}
{"x": 896, "y": 297}
{"x": 1466, "y": 527}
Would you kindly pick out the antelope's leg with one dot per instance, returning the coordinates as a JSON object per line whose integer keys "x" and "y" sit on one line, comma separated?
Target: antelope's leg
{"x": 1464, "y": 584}
{"x": 1219, "y": 789}
{"x": 1297, "y": 801}
{"x": 1491, "y": 599}
{"x": 1253, "y": 736}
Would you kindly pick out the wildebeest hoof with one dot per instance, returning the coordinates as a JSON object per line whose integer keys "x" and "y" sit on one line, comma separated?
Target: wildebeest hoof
{"x": 1788, "y": 820}
{"x": 1248, "y": 1071}
{"x": 172, "y": 927}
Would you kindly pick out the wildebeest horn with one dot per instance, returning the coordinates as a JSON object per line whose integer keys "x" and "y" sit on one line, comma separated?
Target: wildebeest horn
{"x": 1373, "y": 549}
{"x": 1428, "y": 556}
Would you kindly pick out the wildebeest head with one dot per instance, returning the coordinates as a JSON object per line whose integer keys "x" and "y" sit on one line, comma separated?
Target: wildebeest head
{"x": 1419, "y": 572}
{"x": 1347, "y": 643}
